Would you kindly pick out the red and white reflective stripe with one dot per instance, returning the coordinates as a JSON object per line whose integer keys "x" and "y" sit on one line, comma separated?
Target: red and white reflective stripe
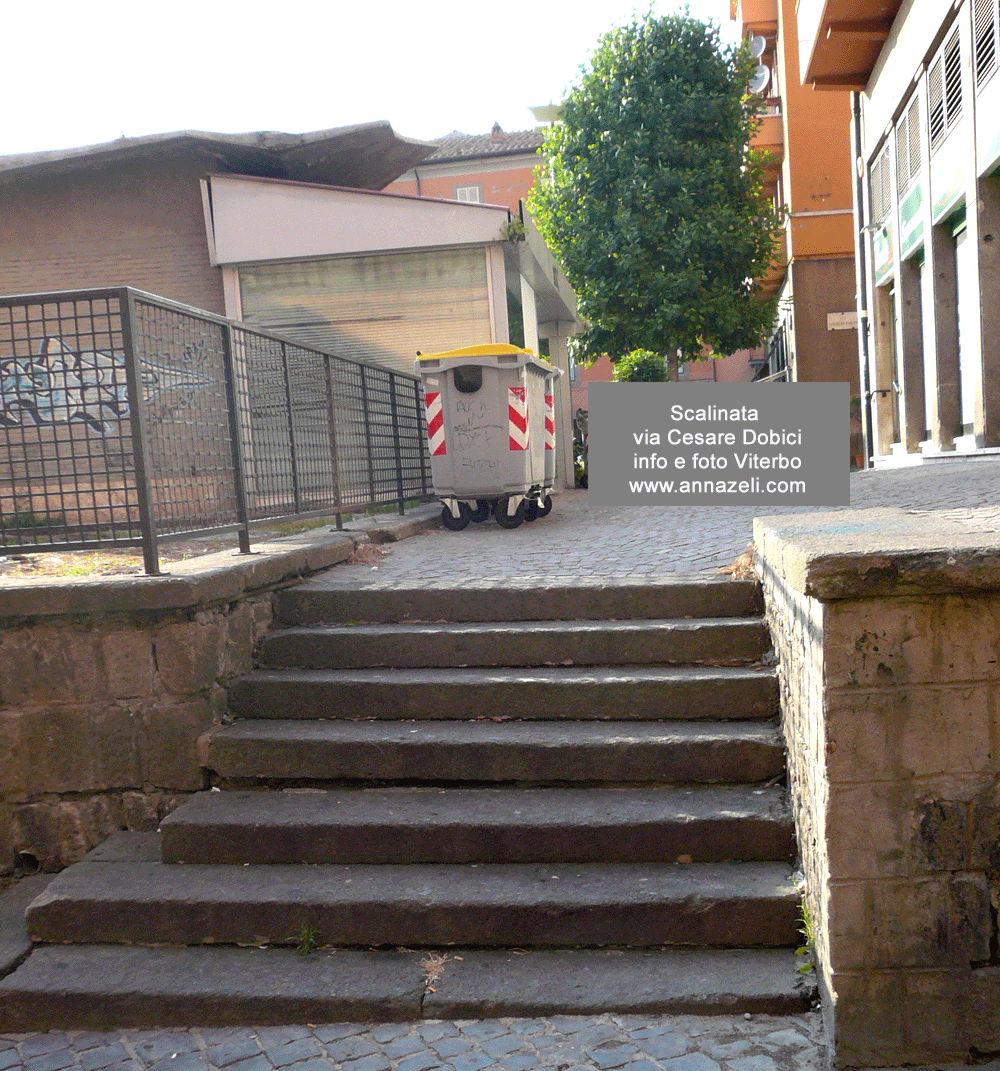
{"x": 435, "y": 423}
{"x": 550, "y": 423}
{"x": 517, "y": 417}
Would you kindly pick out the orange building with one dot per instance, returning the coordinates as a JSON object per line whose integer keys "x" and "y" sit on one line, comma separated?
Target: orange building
{"x": 807, "y": 134}
{"x": 495, "y": 168}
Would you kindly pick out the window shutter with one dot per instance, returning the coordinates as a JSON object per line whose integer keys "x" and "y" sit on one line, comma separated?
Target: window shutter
{"x": 984, "y": 29}
{"x": 935, "y": 102}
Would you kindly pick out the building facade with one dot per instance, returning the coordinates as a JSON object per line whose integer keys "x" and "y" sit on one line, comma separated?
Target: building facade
{"x": 807, "y": 137}
{"x": 926, "y": 141}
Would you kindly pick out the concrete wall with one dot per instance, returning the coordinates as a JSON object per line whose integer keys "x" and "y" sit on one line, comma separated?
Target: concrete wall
{"x": 106, "y": 686}
{"x": 129, "y": 224}
{"x": 889, "y": 648}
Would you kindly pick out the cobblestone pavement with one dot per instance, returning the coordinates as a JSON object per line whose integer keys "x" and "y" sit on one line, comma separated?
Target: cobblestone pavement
{"x": 574, "y": 542}
{"x": 570, "y": 544}
{"x": 605, "y": 1043}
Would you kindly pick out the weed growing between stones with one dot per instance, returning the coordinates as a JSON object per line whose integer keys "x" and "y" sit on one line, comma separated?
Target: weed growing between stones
{"x": 307, "y": 941}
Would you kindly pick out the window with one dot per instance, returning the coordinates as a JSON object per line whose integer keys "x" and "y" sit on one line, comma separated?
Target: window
{"x": 944, "y": 91}
{"x": 472, "y": 194}
{"x": 881, "y": 187}
{"x": 984, "y": 16}
{"x": 908, "y": 146}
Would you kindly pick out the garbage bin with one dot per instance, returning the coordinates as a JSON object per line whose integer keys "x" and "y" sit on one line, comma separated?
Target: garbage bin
{"x": 491, "y": 431}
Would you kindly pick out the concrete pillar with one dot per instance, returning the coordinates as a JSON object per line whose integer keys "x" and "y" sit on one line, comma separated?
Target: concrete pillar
{"x": 987, "y": 235}
{"x": 946, "y": 406}
{"x": 558, "y": 334}
{"x": 910, "y": 343}
{"x": 529, "y": 312}
{"x": 883, "y": 347}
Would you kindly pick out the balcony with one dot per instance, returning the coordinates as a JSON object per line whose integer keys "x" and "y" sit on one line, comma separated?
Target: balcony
{"x": 770, "y": 138}
{"x": 771, "y": 280}
{"x": 755, "y": 16}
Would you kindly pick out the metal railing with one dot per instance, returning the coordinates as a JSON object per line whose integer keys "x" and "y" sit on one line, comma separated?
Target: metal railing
{"x": 127, "y": 419}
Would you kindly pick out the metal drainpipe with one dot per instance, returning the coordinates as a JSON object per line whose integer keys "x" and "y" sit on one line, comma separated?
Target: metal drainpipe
{"x": 861, "y": 278}
{"x": 416, "y": 175}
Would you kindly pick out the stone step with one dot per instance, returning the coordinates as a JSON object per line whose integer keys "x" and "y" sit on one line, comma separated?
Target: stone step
{"x": 100, "y": 987}
{"x": 545, "y": 694}
{"x": 515, "y": 905}
{"x": 485, "y": 751}
{"x": 319, "y": 601}
{"x": 477, "y": 825}
{"x": 518, "y": 643}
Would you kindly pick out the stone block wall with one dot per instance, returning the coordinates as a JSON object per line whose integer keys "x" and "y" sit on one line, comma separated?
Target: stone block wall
{"x": 889, "y": 648}
{"x": 107, "y": 685}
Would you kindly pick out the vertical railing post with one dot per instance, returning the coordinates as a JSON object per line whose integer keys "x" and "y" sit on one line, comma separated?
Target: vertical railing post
{"x": 421, "y": 437}
{"x": 368, "y": 434}
{"x": 397, "y": 445}
{"x": 140, "y": 438}
{"x": 291, "y": 429}
{"x": 331, "y": 409}
{"x": 235, "y": 438}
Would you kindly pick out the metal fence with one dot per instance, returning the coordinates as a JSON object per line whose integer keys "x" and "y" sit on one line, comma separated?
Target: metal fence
{"x": 127, "y": 419}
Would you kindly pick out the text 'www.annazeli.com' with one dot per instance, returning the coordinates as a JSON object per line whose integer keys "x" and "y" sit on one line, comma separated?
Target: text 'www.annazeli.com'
{"x": 717, "y": 487}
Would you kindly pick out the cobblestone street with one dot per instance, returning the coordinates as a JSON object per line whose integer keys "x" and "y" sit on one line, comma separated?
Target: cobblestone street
{"x": 608, "y": 1043}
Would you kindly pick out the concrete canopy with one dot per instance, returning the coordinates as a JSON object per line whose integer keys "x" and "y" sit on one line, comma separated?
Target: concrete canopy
{"x": 840, "y": 40}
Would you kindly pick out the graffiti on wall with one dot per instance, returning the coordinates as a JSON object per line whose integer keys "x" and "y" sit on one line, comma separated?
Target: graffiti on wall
{"x": 60, "y": 385}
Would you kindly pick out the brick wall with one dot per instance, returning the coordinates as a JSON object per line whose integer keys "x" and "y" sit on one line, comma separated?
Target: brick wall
{"x": 135, "y": 224}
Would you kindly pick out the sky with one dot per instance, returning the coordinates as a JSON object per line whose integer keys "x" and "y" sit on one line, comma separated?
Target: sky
{"x": 83, "y": 73}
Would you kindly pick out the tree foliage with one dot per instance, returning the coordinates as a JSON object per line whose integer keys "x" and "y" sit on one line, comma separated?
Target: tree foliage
{"x": 640, "y": 366}
{"x": 651, "y": 197}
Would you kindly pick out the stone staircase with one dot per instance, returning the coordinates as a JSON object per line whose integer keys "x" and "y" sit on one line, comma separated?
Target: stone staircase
{"x": 481, "y": 801}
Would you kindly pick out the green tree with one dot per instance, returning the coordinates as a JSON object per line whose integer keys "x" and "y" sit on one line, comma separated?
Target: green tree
{"x": 640, "y": 366}
{"x": 652, "y": 199}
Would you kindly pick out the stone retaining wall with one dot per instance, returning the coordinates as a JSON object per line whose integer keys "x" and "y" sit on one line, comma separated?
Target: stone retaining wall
{"x": 107, "y": 684}
{"x": 887, "y": 626}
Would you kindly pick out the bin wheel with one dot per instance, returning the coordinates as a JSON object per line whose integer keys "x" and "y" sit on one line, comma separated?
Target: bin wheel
{"x": 504, "y": 519}
{"x": 545, "y": 506}
{"x": 453, "y": 523}
{"x": 481, "y": 512}
{"x": 531, "y": 512}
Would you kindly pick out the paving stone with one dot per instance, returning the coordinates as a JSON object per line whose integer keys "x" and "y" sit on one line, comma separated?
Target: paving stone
{"x": 166, "y": 1044}
{"x": 527, "y": 1027}
{"x": 104, "y": 1055}
{"x": 420, "y": 1061}
{"x": 612, "y": 1056}
{"x": 273, "y": 1036}
{"x": 181, "y": 1061}
{"x": 232, "y": 1050}
{"x": 253, "y": 1063}
{"x": 38, "y": 1044}
{"x": 517, "y": 1061}
{"x": 470, "y": 1061}
{"x": 502, "y": 1045}
{"x": 404, "y": 1046}
{"x": 641, "y": 1065}
{"x": 351, "y": 1048}
{"x": 431, "y": 1030}
{"x": 313, "y": 1063}
{"x": 446, "y": 1047}
{"x": 384, "y": 1032}
{"x": 283, "y": 1055}
{"x": 94, "y": 1039}
{"x": 9, "y": 1058}
{"x": 752, "y": 1063}
{"x": 375, "y": 1062}
{"x": 484, "y": 1029}
{"x": 49, "y": 1061}
{"x": 692, "y": 1061}
{"x": 334, "y": 1031}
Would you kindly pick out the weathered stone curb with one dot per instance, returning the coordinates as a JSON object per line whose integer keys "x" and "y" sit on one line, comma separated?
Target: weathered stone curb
{"x": 212, "y": 578}
{"x": 14, "y": 942}
{"x": 878, "y": 552}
